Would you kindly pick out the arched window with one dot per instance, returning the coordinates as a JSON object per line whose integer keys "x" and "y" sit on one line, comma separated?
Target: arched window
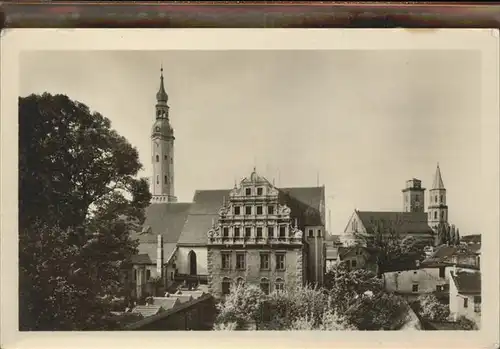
{"x": 435, "y": 215}
{"x": 264, "y": 285}
{"x": 441, "y": 198}
{"x": 442, "y": 214}
{"x": 226, "y": 286}
{"x": 157, "y": 179}
{"x": 192, "y": 263}
{"x": 240, "y": 281}
{"x": 157, "y": 158}
{"x": 279, "y": 286}
{"x": 166, "y": 180}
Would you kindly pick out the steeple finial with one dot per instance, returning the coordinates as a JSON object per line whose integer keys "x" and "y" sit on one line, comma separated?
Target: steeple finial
{"x": 438, "y": 180}
{"x": 161, "y": 96}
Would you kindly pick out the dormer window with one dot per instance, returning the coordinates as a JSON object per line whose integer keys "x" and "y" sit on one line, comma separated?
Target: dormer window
{"x": 248, "y": 191}
{"x": 237, "y": 210}
{"x": 270, "y": 209}
{"x": 259, "y": 191}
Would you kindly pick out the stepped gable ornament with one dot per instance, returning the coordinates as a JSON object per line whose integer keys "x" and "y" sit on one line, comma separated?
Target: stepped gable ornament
{"x": 283, "y": 209}
{"x": 298, "y": 234}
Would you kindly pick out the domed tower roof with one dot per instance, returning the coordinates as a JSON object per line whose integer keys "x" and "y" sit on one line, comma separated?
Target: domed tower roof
{"x": 161, "y": 95}
{"x": 162, "y": 127}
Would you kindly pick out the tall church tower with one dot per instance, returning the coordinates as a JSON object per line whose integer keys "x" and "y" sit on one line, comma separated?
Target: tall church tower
{"x": 162, "y": 150}
{"x": 413, "y": 196}
{"x": 437, "y": 210}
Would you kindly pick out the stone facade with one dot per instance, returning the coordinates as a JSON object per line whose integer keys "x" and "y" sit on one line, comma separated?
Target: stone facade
{"x": 255, "y": 240}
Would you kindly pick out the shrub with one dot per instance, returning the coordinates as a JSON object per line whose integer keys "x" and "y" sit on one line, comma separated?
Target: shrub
{"x": 380, "y": 311}
{"x": 466, "y": 324}
{"x": 430, "y": 308}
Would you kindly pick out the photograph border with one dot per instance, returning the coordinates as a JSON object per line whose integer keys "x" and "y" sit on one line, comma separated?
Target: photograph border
{"x": 265, "y": 14}
{"x": 15, "y": 41}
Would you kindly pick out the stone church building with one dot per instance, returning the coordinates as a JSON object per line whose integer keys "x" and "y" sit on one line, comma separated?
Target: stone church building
{"x": 253, "y": 232}
{"x": 412, "y": 220}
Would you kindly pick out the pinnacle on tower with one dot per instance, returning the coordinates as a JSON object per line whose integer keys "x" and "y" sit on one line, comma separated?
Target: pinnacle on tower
{"x": 161, "y": 96}
{"x": 438, "y": 180}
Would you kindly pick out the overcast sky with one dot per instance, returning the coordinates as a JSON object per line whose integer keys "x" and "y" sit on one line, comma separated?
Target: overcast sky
{"x": 366, "y": 121}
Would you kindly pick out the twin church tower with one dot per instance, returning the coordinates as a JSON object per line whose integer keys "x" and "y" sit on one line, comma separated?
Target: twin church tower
{"x": 162, "y": 150}
{"x": 413, "y": 197}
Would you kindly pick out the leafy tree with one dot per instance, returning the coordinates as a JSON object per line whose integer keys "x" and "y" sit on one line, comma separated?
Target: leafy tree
{"x": 378, "y": 311}
{"x": 344, "y": 285}
{"x": 430, "y": 308}
{"x": 79, "y": 199}
{"x": 242, "y": 305}
{"x": 390, "y": 249}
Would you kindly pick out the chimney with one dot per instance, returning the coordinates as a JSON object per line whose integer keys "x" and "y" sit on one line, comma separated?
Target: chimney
{"x": 159, "y": 255}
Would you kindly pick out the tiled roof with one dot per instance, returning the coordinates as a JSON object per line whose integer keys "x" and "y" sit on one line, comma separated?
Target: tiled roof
{"x": 305, "y": 204}
{"x": 147, "y": 310}
{"x": 165, "y": 302}
{"x": 194, "y": 294}
{"x": 467, "y": 282}
{"x": 442, "y": 253}
{"x": 142, "y": 258}
{"x": 166, "y": 219}
{"x": 401, "y": 222}
{"x": 205, "y": 209}
{"x": 183, "y": 298}
{"x": 475, "y": 238}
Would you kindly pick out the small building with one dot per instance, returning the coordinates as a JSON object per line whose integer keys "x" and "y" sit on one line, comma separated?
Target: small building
{"x": 415, "y": 282}
{"x": 465, "y": 294}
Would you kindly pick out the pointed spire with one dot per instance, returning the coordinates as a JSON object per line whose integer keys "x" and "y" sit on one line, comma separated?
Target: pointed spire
{"x": 161, "y": 96}
{"x": 438, "y": 180}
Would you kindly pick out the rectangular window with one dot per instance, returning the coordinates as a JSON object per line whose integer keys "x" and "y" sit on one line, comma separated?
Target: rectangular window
{"x": 280, "y": 261}
{"x": 282, "y": 231}
{"x": 270, "y": 209}
{"x": 148, "y": 274}
{"x": 259, "y": 232}
{"x": 259, "y": 191}
{"x": 248, "y": 209}
{"x": 319, "y": 233}
{"x": 270, "y": 232}
{"x": 259, "y": 209}
{"x": 466, "y": 302}
{"x": 237, "y": 210}
{"x": 264, "y": 261}
{"x": 237, "y": 232}
{"x": 248, "y": 191}
{"x": 226, "y": 260}
{"x": 240, "y": 261}
{"x": 135, "y": 275}
{"x": 354, "y": 263}
{"x": 435, "y": 215}
{"x": 311, "y": 233}
{"x": 441, "y": 272}
{"x": 248, "y": 232}
{"x": 414, "y": 288}
{"x": 225, "y": 232}
{"x": 477, "y": 304}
